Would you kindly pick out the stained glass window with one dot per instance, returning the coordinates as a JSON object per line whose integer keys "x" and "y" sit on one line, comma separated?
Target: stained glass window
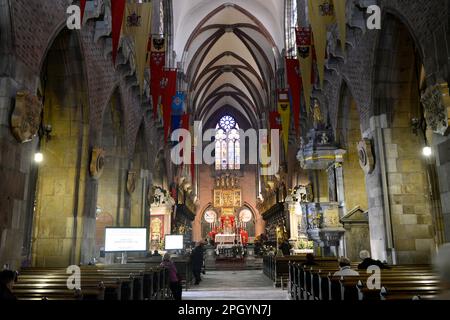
{"x": 227, "y": 144}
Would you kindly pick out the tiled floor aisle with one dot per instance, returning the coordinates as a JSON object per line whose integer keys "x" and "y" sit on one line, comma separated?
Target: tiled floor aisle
{"x": 235, "y": 285}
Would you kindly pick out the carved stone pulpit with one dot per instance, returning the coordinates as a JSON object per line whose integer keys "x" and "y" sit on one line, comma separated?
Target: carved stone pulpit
{"x": 321, "y": 153}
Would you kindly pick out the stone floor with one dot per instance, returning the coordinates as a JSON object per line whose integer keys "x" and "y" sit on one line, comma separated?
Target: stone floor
{"x": 235, "y": 285}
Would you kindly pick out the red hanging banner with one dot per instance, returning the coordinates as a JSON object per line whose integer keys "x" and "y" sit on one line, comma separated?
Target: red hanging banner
{"x": 117, "y": 12}
{"x": 275, "y": 120}
{"x": 295, "y": 86}
{"x": 82, "y": 8}
{"x": 168, "y": 91}
{"x": 157, "y": 63}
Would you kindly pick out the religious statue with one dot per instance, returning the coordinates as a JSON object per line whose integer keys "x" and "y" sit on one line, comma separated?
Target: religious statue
{"x": 324, "y": 139}
{"x": 317, "y": 115}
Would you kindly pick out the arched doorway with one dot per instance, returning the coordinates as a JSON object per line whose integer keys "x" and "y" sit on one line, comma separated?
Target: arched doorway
{"x": 59, "y": 192}
{"x": 112, "y": 183}
{"x": 354, "y": 203}
{"x": 137, "y": 184}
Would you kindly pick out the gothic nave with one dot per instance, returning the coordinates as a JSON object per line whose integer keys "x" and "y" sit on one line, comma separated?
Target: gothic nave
{"x": 238, "y": 141}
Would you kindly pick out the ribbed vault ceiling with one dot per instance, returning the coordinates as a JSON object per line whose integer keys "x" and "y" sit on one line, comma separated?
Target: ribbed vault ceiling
{"x": 230, "y": 56}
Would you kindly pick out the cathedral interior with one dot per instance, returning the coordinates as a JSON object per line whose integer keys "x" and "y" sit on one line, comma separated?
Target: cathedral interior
{"x": 322, "y": 126}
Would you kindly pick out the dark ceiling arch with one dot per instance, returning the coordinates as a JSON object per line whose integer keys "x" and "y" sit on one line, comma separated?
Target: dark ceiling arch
{"x": 252, "y": 65}
{"x": 256, "y": 96}
{"x": 235, "y": 56}
{"x": 221, "y": 8}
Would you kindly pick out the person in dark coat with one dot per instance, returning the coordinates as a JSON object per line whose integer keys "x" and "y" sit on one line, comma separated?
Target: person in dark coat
{"x": 7, "y": 279}
{"x": 309, "y": 261}
{"x": 367, "y": 261}
{"x": 197, "y": 261}
{"x": 285, "y": 247}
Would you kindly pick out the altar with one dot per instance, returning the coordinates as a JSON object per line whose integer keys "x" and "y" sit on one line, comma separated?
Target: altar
{"x": 226, "y": 241}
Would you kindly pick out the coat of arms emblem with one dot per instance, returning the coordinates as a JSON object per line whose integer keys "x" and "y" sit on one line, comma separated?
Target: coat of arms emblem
{"x": 303, "y": 52}
{"x": 134, "y": 20}
{"x": 26, "y": 117}
{"x": 326, "y": 9}
{"x": 158, "y": 44}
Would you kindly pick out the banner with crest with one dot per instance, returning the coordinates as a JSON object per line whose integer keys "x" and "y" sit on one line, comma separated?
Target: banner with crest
{"x": 295, "y": 89}
{"x": 305, "y": 58}
{"x": 136, "y": 25}
{"x": 284, "y": 109}
{"x": 168, "y": 91}
{"x": 157, "y": 64}
{"x": 321, "y": 15}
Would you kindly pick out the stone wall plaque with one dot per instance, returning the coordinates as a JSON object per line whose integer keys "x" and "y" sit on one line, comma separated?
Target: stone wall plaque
{"x": 366, "y": 157}
{"x": 26, "y": 117}
{"x": 131, "y": 181}
{"x": 97, "y": 163}
{"x": 436, "y": 103}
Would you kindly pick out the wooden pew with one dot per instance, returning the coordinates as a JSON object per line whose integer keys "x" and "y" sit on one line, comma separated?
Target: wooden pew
{"x": 400, "y": 282}
{"x": 122, "y": 282}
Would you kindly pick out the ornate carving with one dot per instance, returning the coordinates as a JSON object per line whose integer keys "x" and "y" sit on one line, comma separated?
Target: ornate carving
{"x": 131, "y": 181}
{"x": 436, "y": 102}
{"x": 26, "y": 117}
{"x": 97, "y": 163}
{"x": 366, "y": 157}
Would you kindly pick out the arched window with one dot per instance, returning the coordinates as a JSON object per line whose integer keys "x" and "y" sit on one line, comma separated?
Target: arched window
{"x": 228, "y": 147}
{"x": 291, "y": 17}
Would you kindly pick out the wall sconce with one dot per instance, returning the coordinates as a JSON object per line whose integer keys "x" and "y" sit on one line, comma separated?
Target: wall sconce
{"x": 45, "y": 131}
{"x": 38, "y": 157}
{"x": 98, "y": 212}
{"x": 427, "y": 151}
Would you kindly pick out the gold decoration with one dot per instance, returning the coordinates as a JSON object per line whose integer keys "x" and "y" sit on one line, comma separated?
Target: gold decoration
{"x": 317, "y": 114}
{"x": 227, "y": 198}
{"x": 331, "y": 217}
{"x": 366, "y": 157}
{"x": 97, "y": 163}
{"x": 26, "y": 117}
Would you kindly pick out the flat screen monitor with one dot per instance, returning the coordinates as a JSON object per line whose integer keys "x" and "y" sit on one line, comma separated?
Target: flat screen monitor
{"x": 174, "y": 242}
{"x": 125, "y": 240}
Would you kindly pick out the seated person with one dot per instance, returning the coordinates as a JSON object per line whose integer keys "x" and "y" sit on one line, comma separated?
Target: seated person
{"x": 7, "y": 279}
{"x": 345, "y": 269}
{"x": 156, "y": 254}
{"x": 309, "y": 260}
{"x": 367, "y": 261}
{"x": 174, "y": 278}
{"x": 285, "y": 247}
{"x": 441, "y": 264}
